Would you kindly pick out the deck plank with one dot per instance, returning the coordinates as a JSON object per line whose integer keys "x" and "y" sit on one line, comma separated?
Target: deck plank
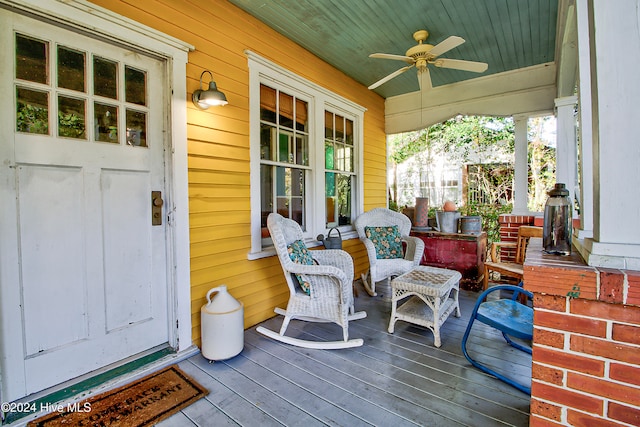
{"x": 433, "y": 390}
{"x": 281, "y": 398}
{"x": 322, "y": 382}
{"x": 397, "y": 379}
{"x": 178, "y": 420}
{"x": 367, "y": 399}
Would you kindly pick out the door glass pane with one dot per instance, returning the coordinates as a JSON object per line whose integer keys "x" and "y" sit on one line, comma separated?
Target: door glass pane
{"x": 105, "y": 78}
{"x": 71, "y": 117}
{"x": 71, "y": 69}
{"x": 106, "y": 120}
{"x": 32, "y": 111}
{"x": 31, "y": 59}
{"x": 135, "y": 86}
{"x": 136, "y": 128}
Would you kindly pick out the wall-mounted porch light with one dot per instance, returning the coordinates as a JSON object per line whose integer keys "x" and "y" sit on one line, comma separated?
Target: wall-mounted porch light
{"x": 204, "y": 99}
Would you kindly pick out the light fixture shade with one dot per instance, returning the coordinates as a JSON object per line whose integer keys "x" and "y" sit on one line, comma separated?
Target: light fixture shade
{"x": 203, "y": 99}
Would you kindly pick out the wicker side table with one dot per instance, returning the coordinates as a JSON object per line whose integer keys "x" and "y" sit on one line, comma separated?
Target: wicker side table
{"x": 433, "y": 296}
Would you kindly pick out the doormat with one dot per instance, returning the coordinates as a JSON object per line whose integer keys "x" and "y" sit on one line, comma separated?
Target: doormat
{"x": 144, "y": 402}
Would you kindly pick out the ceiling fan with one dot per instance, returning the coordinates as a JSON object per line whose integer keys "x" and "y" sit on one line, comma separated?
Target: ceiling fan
{"x": 422, "y": 54}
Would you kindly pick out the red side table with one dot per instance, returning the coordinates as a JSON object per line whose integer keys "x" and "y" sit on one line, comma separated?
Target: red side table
{"x": 465, "y": 253}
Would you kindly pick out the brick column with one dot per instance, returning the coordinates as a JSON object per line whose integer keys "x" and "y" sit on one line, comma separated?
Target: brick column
{"x": 586, "y": 342}
{"x": 509, "y": 224}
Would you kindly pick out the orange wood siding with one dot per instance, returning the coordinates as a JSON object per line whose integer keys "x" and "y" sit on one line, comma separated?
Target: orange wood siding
{"x": 218, "y": 145}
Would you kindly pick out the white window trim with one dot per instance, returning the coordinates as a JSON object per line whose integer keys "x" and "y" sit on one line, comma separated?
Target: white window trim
{"x": 264, "y": 71}
{"x": 89, "y": 18}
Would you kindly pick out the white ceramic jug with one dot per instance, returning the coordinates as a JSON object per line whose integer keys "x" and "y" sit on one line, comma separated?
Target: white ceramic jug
{"x": 222, "y": 325}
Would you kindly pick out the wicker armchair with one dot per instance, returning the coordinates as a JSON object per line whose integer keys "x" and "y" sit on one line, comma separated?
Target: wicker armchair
{"x": 329, "y": 284}
{"x": 383, "y": 269}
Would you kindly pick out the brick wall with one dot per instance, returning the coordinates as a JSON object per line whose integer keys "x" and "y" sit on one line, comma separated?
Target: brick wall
{"x": 586, "y": 352}
{"x": 509, "y": 232}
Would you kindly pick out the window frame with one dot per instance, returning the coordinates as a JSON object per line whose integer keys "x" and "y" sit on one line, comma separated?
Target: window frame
{"x": 263, "y": 71}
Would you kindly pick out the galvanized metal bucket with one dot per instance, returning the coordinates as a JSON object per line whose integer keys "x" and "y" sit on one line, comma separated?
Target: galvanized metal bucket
{"x": 447, "y": 221}
{"x": 471, "y": 224}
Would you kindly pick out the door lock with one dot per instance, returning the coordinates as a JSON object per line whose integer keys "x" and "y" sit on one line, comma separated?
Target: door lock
{"x": 156, "y": 207}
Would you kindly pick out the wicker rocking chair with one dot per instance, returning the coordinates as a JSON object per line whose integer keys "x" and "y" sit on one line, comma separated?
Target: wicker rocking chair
{"x": 320, "y": 285}
{"x": 381, "y": 267}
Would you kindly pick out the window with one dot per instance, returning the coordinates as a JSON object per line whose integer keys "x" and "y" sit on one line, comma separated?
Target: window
{"x": 305, "y": 155}
{"x": 284, "y": 154}
{"x": 339, "y": 174}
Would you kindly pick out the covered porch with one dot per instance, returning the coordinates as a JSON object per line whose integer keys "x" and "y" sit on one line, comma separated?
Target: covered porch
{"x": 215, "y": 224}
{"x": 398, "y": 379}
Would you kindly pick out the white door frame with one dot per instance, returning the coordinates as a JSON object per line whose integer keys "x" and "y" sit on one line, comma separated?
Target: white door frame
{"x": 90, "y": 18}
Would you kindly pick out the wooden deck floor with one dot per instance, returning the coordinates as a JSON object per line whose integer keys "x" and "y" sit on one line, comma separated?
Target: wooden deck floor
{"x": 397, "y": 379}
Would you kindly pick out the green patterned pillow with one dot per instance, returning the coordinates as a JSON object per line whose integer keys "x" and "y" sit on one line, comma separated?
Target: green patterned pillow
{"x": 299, "y": 254}
{"x": 387, "y": 241}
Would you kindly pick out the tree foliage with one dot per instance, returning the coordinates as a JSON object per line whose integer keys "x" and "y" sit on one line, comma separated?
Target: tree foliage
{"x": 459, "y": 137}
{"x": 542, "y": 163}
{"x": 465, "y": 136}
{"x": 485, "y": 147}
{"x": 461, "y": 140}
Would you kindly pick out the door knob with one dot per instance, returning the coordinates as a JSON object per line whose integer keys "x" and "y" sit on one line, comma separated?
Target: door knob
{"x": 156, "y": 207}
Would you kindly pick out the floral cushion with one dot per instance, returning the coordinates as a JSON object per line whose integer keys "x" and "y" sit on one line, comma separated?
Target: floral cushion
{"x": 387, "y": 241}
{"x": 299, "y": 254}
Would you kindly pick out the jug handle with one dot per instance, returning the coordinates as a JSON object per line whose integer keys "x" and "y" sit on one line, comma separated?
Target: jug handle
{"x": 216, "y": 290}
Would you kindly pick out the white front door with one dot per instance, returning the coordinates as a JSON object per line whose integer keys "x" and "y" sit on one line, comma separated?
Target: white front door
{"x": 83, "y": 272}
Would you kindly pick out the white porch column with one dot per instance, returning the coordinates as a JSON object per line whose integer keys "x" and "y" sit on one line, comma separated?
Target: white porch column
{"x": 615, "y": 90}
{"x": 566, "y": 151}
{"x": 521, "y": 172}
{"x": 585, "y": 141}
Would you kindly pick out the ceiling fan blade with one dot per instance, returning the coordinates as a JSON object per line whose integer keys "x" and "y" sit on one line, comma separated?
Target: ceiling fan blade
{"x": 460, "y": 64}
{"x": 407, "y": 59}
{"x": 446, "y": 45}
{"x": 390, "y": 76}
{"x": 424, "y": 79}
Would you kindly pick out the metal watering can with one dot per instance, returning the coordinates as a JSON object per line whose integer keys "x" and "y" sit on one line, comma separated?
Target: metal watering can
{"x": 329, "y": 242}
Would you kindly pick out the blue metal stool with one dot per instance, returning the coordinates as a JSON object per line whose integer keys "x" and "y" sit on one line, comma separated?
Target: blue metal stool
{"x": 508, "y": 316}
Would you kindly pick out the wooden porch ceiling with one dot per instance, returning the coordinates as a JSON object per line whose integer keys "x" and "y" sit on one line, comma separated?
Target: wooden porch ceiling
{"x": 508, "y": 35}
